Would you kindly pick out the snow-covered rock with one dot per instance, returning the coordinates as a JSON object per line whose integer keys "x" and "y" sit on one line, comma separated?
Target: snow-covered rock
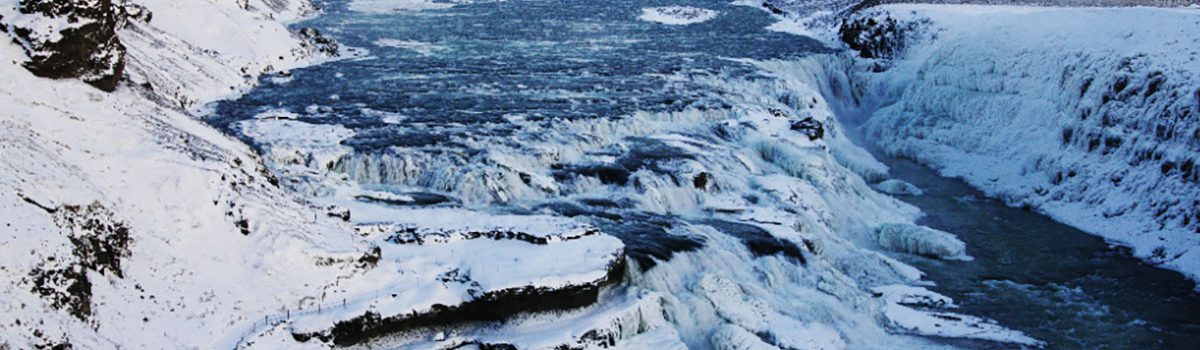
{"x": 69, "y": 39}
{"x": 1087, "y": 115}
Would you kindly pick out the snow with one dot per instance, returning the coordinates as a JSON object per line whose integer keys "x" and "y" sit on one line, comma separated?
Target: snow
{"x": 1086, "y": 115}
{"x": 677, "y": 15}
{"x": 204, "y": 50}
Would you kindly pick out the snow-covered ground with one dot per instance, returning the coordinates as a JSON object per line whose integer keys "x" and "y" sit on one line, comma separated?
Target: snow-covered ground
{"x": 1089, "y": 115}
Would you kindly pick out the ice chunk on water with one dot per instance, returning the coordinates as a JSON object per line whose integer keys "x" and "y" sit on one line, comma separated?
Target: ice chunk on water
{"x": 899, "y": 187}
{"x": 677, "y": 15}
{"x": 921, "y": 240}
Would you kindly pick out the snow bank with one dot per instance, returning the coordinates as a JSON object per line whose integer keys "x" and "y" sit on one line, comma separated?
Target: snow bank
{"x": 1087, "y": 115}
{"x": 677, "y": 15}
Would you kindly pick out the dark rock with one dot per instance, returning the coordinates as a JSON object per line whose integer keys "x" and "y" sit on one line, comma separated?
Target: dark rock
{"x": 700, "y": 181}
{"x": 66, "y": 288}
{"x": 99, "y": 242}
{"x": 88, "y": 49}
{"x": 759, "y": 241}
{"x": 312, "y": 38}
{"x": 876, "y": 37}
{"x": 648, "y": 238}
{"x": 334, "y": 211}
{"x": 99, "y": 239}
{"x": 810, "y": 127}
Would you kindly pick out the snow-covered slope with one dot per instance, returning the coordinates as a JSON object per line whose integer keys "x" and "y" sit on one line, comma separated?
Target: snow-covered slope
{"x": 133, "y": 225}
{"x": 1091, "y": 116}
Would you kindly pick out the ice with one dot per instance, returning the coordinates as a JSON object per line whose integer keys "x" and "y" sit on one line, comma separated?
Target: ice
{"x": 914, "y": 309}
{"x": 921, "y": 240}
{"x": 296, "y": 142}
{"x": 677, "y": 15}
{"x": 423, "y": 48}
{"x": 899, "y": 187}
{"x": 384, "y": 6}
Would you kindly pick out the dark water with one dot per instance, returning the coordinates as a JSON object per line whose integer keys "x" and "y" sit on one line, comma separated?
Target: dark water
{"x": 1054, "y": 282}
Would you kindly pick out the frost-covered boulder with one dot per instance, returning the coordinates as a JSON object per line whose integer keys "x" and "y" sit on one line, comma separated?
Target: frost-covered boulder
{"x": 70, "y": 39}
{"x": 920, "y": 240}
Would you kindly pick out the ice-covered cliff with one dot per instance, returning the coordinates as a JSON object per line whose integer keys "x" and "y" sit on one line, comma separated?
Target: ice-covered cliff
{"x": 1087, "y": 115}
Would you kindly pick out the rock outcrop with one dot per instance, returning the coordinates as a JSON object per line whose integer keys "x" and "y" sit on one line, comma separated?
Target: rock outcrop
{"x": 73, "y": 39}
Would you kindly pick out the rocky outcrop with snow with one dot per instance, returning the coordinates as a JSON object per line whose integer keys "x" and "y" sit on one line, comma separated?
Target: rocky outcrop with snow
{"x": 1087, "y": 115}
{"x": 69, "y": 39}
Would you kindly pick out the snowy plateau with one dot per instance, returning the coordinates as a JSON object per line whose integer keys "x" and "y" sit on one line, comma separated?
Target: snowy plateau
{"x": 128, "y": 222}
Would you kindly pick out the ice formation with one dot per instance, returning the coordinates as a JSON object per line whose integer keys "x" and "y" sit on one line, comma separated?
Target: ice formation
{"x": 920, "y": 240}
{"x": 677, "y": 15}
{"x": 899, "y": 187}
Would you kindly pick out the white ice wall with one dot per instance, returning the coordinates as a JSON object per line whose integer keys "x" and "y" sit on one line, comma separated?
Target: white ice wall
{"x": 1091, "y": 116}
